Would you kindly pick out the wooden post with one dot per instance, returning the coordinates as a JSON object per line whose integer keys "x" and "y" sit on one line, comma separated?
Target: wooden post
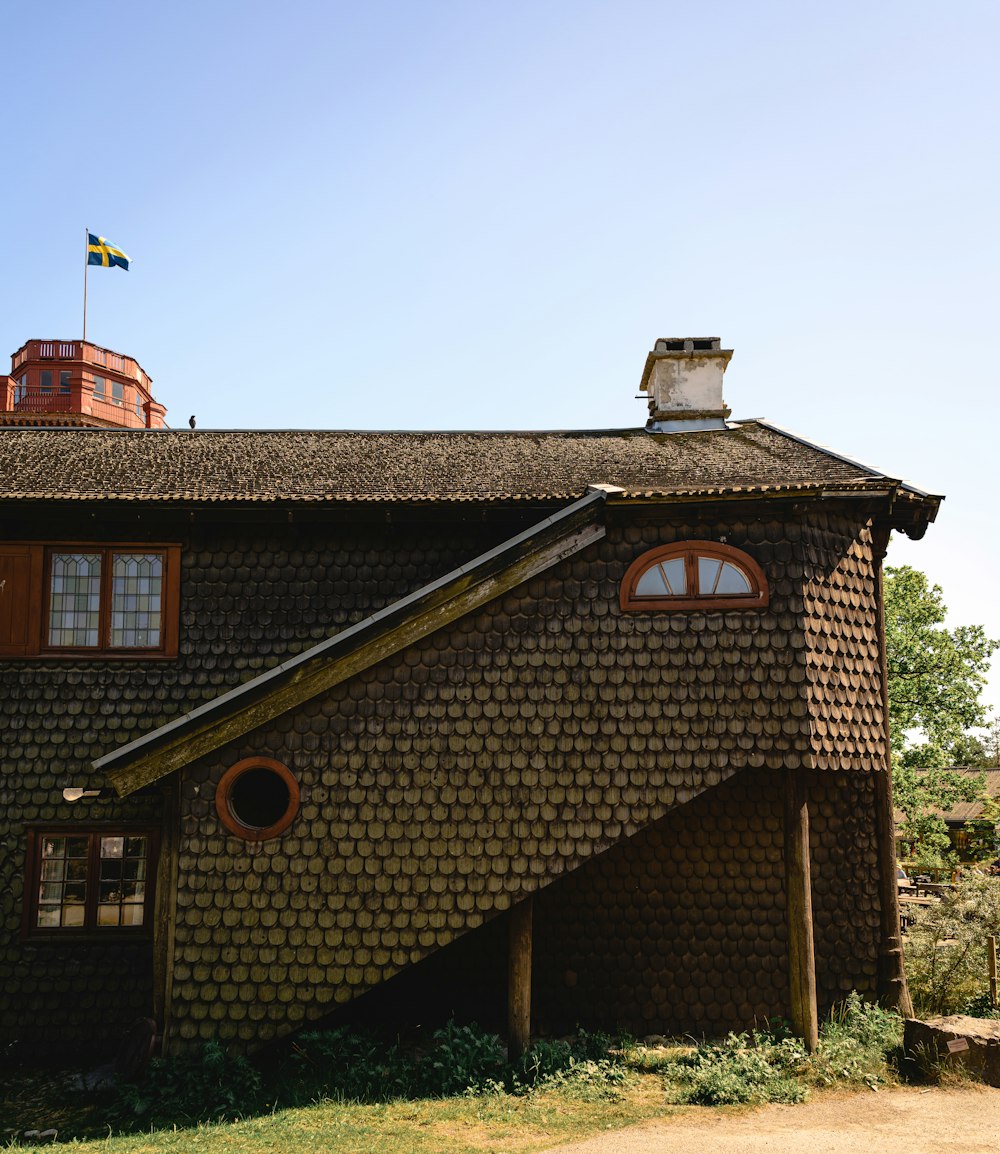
{"x": 166, "y": 912}
{"x": 992, "y": 944}
{"x": 519, "y": 980}
{"x": 798, "y": 899}
{"x": 892, "y": 988}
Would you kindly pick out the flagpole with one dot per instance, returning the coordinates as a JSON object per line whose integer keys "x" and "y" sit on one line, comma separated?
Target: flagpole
{"x": 86, "y": 262}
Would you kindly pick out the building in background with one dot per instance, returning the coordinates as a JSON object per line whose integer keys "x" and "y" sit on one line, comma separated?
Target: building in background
{"x": 77, "y": 383}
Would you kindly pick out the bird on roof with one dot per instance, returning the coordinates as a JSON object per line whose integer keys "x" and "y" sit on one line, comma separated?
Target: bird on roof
{"x": 191, "y": 421}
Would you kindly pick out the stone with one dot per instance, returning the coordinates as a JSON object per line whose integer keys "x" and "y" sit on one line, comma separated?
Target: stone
{"x": 981, "y": 1053}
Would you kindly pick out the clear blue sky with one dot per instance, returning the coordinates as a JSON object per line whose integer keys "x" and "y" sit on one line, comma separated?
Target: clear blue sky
{"x": 472, "y": 215}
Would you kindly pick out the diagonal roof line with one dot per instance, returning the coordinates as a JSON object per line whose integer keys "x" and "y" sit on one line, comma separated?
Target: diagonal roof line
{"x": 799, "y": 439}
{"x": 356, "y": 648}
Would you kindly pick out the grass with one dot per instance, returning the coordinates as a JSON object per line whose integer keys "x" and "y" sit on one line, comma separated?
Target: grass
{"x": 462, "y": 1124}
{"x": 563, "y": 1090}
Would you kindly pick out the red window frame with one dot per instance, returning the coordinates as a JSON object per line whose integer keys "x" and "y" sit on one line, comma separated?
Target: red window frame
{"x": 690, "y": 551}
{"x": 90, "y": 930}
{"x": 227, "y": 814}
{"x": 26, "y": 594}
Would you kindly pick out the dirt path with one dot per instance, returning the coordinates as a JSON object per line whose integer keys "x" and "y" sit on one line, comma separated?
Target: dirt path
{"x": 903, "y": 1121}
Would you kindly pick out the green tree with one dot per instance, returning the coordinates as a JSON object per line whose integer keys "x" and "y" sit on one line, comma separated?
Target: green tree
{"x": 969, "y": 751}
{"x": 936, "y": 678}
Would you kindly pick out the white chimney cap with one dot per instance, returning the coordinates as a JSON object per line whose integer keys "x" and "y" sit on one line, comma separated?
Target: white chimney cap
{"x": 683, "y": 378}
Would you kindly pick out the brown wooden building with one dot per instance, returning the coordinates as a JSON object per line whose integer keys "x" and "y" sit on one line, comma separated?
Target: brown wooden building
{"x": 296, "y": 723}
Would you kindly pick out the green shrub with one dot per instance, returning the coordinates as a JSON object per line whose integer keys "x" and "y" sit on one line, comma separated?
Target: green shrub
{"x": 748, "y": 1068}
{"x": 772, "y": 1066}
{"x": 356, "y": 1065}
{"x": 981, "y": 1006}
{"x": 349, "y": 1064}
{"x": 596, "y": 1046}
{"x": 208, "y": 1084}
{"x": 588, "y": 1080}
{"x": 545, "y": 1058}
{"x": 548, "y": 1057}
{"x": 461, "y": 1058}
{"x": 854, "y": 1043}
{"x": 946, "y": 946}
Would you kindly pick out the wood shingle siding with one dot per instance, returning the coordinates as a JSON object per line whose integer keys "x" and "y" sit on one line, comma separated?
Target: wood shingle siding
{"x": 498, "y": 755}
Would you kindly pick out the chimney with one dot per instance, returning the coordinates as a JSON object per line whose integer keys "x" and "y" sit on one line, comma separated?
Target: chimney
{"x": 683, "y": 379}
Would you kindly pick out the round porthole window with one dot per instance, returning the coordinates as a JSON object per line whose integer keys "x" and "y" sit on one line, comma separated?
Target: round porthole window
{"x": 257, "y": 798}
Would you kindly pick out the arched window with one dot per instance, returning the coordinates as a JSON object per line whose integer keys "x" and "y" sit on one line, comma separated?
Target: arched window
{"x": 693, "y": 575}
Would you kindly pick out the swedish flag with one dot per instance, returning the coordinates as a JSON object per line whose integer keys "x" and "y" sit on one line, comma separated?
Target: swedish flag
{"x": 101, "y": 251}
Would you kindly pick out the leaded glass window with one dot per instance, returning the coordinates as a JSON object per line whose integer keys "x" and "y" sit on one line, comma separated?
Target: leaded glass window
{"x": 136, "y": 591}
{"x": 75, "y": 602}
{"x": 104, "y": 598}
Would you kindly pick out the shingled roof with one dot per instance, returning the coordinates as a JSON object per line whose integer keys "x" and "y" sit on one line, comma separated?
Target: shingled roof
{"x": 110, "y": 465}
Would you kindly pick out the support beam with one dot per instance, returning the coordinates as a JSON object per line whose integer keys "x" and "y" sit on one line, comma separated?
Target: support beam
{"x": 165, "y": 925}
{"x": 519, "y": 980}
{"x": 798, "y": 899}
{"x": 893, "y": 992}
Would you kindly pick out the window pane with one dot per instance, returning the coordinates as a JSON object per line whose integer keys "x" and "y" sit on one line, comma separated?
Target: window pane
{"x": 45, "y": 381}
{"x": 131, "y": 915}
{"x": 109, "y": 915}
{"x": 64, "y": 382}
{"x": 73, "y": 915}
{"x": 708, "y": 575}
{"x": 99, "y": 387}
{"x": 111, "y": 891}
{"x": 663, "y": 579}
{"x": 48, "y": 917}
{"x": 74, "y": 605}
{"x": 651, "y": 583}
{"x": 75, "y": 892}
{"x": 112, "y": 846}
{"x": 675, "y": 575}
{"x": 77, "y": 846}
{"x": 136, "y": 581}
{"x": 733, "y": 581}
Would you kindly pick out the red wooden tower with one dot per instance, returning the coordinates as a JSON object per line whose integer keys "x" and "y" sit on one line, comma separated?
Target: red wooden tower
{"x": 77, "y": 383}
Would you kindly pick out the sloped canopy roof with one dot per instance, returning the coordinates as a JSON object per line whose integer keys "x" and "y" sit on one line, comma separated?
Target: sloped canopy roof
{"x": 106, "y": 465}
{"x": 384, "y": 633}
